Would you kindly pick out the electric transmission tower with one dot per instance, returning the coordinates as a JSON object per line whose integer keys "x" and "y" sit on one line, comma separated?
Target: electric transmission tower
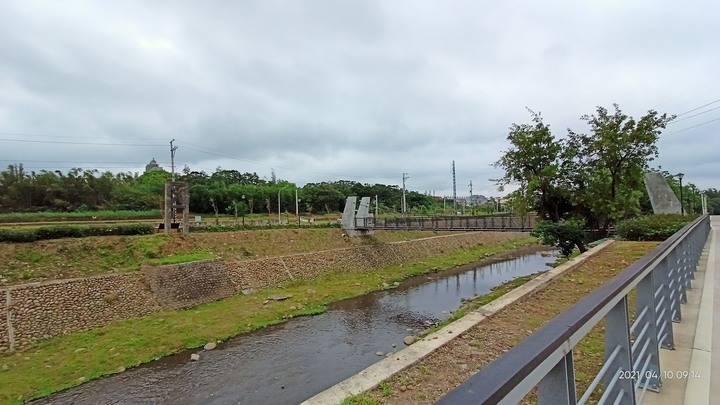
{"x": 454, "y": 190}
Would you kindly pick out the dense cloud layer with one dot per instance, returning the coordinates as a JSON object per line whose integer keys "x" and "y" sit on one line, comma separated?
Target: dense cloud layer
{"x": 328, "y": 90}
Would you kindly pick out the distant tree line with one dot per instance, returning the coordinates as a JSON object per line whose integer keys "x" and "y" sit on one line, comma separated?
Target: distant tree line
{"x": 222, "y": 192}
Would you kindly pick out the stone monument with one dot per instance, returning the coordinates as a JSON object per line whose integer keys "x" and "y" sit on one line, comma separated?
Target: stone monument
{"x": 662, "y": 197}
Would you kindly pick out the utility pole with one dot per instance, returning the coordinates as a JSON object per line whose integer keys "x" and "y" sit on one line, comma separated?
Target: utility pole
{"x": 172, "y": 170}
{"x": 376, "y": 207}
{"x": 172, "y": 158}
{"x": 297, "y": 207}
{"x": 454, "y": 190}
{"x": 682, "y": 206}
{"x": 404, "y": 200}
{"x": 470, "y": 199}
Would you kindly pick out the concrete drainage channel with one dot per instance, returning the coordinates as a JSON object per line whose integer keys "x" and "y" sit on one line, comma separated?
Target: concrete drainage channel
{"x": 386, "y": 368}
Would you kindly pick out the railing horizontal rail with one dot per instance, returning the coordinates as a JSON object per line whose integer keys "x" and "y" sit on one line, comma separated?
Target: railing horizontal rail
{"x": 509, "y": 378}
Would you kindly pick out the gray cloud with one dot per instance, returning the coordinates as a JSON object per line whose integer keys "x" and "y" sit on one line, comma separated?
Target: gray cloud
{"x": 325, "y": 90}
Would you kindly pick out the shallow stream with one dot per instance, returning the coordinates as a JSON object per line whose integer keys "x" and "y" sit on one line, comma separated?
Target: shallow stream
{"x": 290, "y": 362}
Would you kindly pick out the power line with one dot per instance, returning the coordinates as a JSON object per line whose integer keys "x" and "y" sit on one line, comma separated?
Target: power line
{"x": 695, "y": 109}
{"x": 80, "y": 143}
{"x": 694, "y": 115}
{"x": 58, "y": 136}
{"x": 688, "y": 92}
{"x": 224, "y": 155}
{"x": 694, "y": 126}
{"x": 71, "y": 167}
{"x": 72, "y": 161}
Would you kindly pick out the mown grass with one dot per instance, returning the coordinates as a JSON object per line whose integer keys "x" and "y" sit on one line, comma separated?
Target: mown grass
{"x": 65, "y": 361}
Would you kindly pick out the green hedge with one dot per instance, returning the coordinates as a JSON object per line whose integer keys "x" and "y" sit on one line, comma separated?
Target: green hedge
{"x": 57, "y": 232}
{"x": 652, "y": 227}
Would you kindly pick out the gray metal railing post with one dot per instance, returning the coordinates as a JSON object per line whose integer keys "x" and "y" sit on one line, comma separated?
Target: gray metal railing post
{"x": 691, "y": 259}
{"x": 684, "y": 266}
{"x": 663, "y": 305}
{"x": 647, "y": 361}
{"x": 558, "y": 386}
{"x": 674, "y": 285}
{"x": 619, "y": 387}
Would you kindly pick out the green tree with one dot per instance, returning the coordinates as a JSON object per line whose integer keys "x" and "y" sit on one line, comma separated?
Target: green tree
{"x": 713, "y": 201}
{"x": 609, "y": 162}
{"x": 533, "y": 161}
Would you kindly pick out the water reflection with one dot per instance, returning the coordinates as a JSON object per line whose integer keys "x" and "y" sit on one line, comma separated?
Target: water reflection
{"x": 288, "y": 363}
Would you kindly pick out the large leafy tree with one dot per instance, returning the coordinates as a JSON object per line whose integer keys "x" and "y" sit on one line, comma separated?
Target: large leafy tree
{"x": 609, "y": 162}
{"x": 533, "y": 162}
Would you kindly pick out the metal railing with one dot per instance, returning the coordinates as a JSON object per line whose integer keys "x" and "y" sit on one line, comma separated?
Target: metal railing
{"x": 660, "y": 280}
{"x": 501, "y": 222}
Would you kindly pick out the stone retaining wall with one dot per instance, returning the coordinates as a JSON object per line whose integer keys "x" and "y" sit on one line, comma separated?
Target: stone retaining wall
{"x": 4, "y": 324}
{"x": 189, "y": 284}
{"x": 42, "y": 310}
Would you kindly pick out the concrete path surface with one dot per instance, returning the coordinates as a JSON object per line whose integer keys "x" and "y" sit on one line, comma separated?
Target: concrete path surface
{"x": 692, "y": 371}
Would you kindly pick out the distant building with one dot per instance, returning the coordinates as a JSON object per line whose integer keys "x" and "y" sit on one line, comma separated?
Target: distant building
{"x": 476, "y": 199}
{"x": 152, "y": 166}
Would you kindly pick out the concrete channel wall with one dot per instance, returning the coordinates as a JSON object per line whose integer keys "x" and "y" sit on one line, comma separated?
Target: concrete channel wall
{"x": 31, "y": 312}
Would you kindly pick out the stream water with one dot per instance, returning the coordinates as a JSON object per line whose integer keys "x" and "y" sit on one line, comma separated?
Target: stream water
{"x": 290, "y": 362}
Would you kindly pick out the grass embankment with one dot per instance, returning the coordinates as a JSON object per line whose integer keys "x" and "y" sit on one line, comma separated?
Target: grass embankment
{"x": 65, "y": 361}
{"x": 431, "y": 378}
{"x": 49, "y": 216}
{"x": 69, "y": 258}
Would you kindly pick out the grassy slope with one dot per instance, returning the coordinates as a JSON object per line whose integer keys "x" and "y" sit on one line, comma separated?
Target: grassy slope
{"x": 68, "y": 258}
{"x": 55, "y": 364}
{"x": 426, "y": 381}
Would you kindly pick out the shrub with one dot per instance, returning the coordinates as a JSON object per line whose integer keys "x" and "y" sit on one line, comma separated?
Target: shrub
{"x": 651, "y": 227}
{"x": 562, "y": 235}
{"x": 57, "y": 232}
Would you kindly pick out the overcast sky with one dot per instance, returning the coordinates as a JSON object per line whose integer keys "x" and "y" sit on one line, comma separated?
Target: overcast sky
{"x": 356, "y": 90}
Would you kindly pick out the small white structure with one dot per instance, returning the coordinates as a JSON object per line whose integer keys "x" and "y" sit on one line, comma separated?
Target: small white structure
{"x": 357, "y": 221}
